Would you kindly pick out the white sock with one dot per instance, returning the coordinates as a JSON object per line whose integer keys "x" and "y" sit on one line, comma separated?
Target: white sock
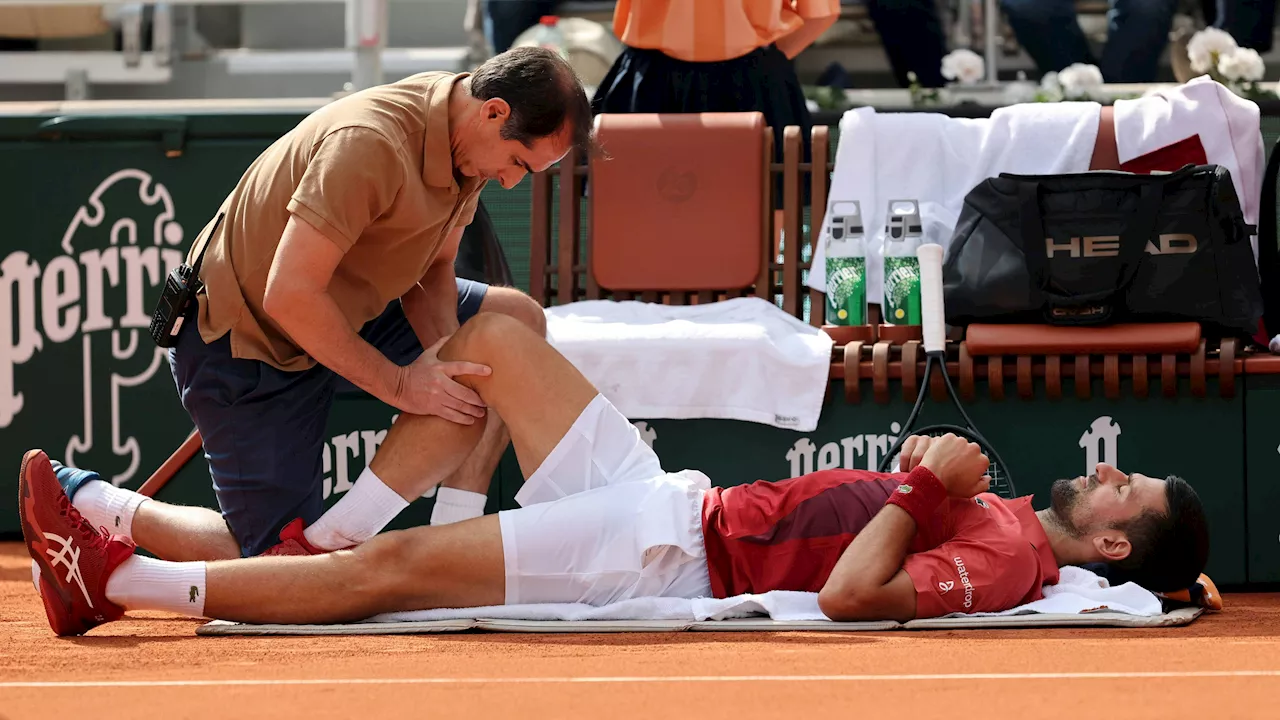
{"x": 362, "y": 513}
{"x": 143, "y": 583}
{"x": 453, "y": 505}
{"x": 105, "y": 505}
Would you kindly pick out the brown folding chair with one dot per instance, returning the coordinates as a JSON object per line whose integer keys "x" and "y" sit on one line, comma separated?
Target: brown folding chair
{"x": 680, "y": 204}
{"x": 678, "y": 212}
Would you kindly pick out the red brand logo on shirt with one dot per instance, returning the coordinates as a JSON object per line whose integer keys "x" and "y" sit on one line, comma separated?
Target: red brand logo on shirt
{"x": 944, "y": 587}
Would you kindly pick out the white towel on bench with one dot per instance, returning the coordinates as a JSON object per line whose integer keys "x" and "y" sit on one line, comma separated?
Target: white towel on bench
{"x": 936, "y": 160}
{"x": 1078, "y": 591}
{"x": 741, "y": 359}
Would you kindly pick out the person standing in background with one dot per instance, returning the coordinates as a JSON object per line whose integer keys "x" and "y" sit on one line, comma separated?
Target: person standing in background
{"x": 1137, "y": 33}
{"x": 913, "y": 39}
{"x": 1251, "y": 22}
{"x": 504, "y": 20}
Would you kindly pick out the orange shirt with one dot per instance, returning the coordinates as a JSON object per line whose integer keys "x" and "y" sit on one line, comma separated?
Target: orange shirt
{"x": 712, "y": 30}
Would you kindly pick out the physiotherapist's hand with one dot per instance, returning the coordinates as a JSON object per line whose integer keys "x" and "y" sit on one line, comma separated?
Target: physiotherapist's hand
{"x": 427, "y": 387}
{"x": 959, "y": 465}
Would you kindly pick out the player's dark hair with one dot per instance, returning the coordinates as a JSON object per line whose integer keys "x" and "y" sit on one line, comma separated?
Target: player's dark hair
{"x": 1168, "y": 550}
{"x": 543, "y": 91}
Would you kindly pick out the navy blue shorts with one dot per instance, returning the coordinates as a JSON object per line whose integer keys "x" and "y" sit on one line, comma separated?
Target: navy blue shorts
{"x": 264, "y": 429}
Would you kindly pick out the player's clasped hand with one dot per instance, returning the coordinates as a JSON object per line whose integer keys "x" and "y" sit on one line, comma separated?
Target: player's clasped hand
{"x": 960, "y": 465}
{"x": 427, "y": 387}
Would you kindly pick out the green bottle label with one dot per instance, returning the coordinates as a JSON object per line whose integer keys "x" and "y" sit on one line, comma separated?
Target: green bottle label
{"x": 846, "y": 290}
{"x": 902, "y": 291}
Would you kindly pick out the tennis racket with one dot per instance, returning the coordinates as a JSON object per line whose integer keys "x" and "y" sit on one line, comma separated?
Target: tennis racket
{"x": 933, "y": 324}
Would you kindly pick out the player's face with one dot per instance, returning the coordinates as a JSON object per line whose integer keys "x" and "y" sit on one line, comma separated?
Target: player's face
{"x": 485, "y": 153}
{"x": 1105, "y": 499}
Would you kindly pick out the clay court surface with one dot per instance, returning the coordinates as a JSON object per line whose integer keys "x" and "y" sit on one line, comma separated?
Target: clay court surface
{"x": 153, "y": 665}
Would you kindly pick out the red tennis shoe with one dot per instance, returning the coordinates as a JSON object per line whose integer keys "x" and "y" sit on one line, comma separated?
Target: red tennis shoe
{"x": 293, "y": 542}
{"x": 74, "y": 558}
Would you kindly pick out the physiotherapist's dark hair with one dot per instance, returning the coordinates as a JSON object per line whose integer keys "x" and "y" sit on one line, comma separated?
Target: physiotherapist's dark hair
{"x": 543, "y": 91}
{"x": 1168, "y": 550}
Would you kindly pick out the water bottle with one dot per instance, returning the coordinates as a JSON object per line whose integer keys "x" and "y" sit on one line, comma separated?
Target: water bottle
{"x": 902, "y": 237}
{"x": 550, "y": 36}
{"x": 846, "y": 265}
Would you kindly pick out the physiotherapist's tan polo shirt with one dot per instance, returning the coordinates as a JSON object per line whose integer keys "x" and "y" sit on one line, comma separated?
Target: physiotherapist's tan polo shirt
{"x": 374, "y": 173}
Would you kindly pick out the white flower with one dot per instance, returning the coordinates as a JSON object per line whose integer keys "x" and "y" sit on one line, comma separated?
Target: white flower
{"x": 1050, "y": 88}
{"x": 1206, "y": 46}
{"x": 1079, "y": 79}
{"x": 1242, "y": 64}
{"x": 964, "y": 65}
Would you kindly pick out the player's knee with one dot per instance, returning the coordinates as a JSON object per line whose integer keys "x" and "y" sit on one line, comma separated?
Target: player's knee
{"x": 528, "y": 311}
{"x": 485, "y": 338}
{"x": 512, "y": 302}
{"x": 382, "y": 568}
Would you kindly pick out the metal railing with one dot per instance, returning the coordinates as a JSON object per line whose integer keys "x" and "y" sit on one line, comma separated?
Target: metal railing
{"x": 365, "y": 51}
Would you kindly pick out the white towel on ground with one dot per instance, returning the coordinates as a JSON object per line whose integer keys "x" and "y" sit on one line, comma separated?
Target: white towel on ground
{"x": 936, "y": 160}
{"x": 1077, "y": 591}
{"x": 741, "y": 359}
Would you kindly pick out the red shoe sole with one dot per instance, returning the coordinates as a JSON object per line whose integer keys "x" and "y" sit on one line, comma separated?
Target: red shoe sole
{"x": 54, "y": 607}
{"x": 24, "y": 492}
{"x": 58, "y": 615}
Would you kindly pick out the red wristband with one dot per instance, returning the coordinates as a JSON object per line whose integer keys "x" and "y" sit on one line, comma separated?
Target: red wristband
{"x": 920, "y": 495}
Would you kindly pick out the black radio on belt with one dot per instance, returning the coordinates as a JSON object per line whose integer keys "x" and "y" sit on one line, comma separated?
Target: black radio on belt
{"x": 179, "y": 292}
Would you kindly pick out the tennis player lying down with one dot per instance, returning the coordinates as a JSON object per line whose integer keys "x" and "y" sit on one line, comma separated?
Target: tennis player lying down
{"x": 602, "y": 522}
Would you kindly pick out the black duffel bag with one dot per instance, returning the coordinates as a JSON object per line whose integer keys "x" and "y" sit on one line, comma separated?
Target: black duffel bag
{"x": 1104, "y": 247}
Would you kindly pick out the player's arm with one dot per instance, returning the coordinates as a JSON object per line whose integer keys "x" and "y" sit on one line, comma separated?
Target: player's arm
{"x": 869, "y": 582}
{"x": 351, "y": 164}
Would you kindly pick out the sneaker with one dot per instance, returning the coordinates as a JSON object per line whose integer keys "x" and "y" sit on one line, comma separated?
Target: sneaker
{"x": 72, "y": 479}
{"x": 293, "y": 542}
{"x": 74, "y": 558}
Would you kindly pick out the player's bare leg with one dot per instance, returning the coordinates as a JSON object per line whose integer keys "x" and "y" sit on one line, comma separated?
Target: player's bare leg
{"x": 462, "y": 495}
{"x": 178, "y": 532}
{"x": 533, "y": 387}
{"x": 458, "y": 565}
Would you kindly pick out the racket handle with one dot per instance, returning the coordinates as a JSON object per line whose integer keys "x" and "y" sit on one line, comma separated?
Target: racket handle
{"x": 932, "y": 319}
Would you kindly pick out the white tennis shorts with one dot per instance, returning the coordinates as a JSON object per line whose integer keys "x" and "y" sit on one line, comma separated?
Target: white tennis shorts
{"x": 601, "y": 522}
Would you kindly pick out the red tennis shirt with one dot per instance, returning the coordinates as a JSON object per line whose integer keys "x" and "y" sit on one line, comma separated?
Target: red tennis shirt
{"x": 984, "y": 554}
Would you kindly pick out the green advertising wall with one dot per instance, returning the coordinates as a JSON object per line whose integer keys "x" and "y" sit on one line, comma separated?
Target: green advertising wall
{"x": 97, "y": 209}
